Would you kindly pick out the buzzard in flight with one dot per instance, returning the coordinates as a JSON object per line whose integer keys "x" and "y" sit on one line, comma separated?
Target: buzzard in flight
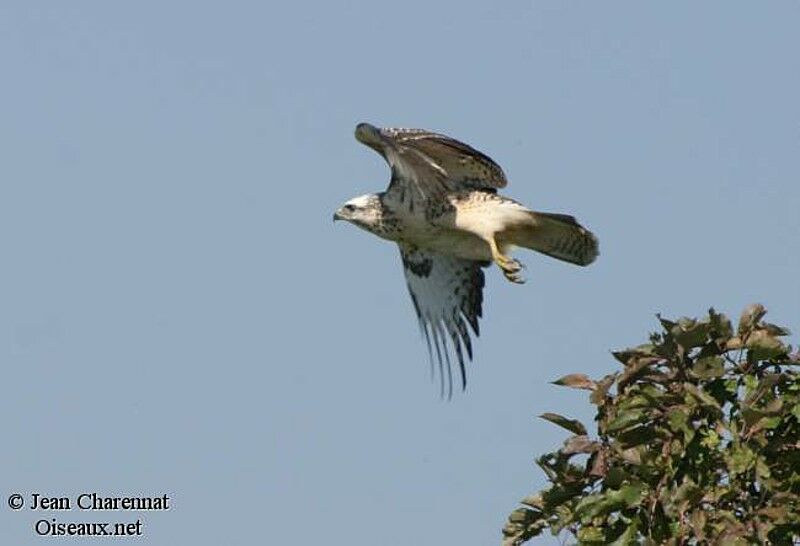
{"x": 443, "y": 210}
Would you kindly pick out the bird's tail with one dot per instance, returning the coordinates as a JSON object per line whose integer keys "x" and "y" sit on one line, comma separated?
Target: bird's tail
{"x": 559, "y": 236}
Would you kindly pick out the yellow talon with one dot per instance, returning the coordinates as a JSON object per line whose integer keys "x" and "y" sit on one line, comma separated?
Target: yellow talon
{"x": 511, "y": 268}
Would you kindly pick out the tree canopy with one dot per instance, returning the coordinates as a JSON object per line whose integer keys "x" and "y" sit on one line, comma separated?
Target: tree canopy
{"x": 697, "y": 442}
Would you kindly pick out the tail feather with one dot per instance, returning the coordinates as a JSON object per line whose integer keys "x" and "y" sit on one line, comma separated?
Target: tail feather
{"x": 559, "y": 236}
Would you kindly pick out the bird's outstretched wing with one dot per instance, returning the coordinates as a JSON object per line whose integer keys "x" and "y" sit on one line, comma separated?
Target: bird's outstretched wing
{"x": 447, "y": 293}
{"x": 427, "y": 165}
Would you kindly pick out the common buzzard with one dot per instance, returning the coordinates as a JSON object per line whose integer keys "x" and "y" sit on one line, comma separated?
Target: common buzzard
{"x": 443, "y": 210}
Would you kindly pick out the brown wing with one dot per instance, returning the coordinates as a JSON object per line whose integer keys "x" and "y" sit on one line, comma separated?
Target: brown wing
{"x": 426, "y": 164}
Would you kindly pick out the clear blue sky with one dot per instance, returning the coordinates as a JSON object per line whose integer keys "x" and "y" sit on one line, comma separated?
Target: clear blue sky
{"x": 179, "y": 315}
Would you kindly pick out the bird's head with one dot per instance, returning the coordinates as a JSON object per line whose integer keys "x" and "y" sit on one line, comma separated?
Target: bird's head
{"x": 365, "y": 211}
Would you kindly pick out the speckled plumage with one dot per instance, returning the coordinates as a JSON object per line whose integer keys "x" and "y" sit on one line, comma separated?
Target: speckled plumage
{"x": 443, "y": 210}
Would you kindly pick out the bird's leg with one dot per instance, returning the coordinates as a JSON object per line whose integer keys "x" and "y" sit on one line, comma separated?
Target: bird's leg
{"x": 511, "y": 268}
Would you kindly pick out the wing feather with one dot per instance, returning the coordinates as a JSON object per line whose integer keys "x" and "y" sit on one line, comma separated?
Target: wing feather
{"x": 426, "y": 164}
{"x": 447, "y": 293}
{"x": 562, "y": 237}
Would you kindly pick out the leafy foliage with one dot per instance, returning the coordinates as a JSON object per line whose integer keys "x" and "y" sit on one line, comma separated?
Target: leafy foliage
{"x": 698, "y": 442}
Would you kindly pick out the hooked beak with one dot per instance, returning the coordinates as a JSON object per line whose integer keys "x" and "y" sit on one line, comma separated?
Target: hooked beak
{"x": 338, "y": 215}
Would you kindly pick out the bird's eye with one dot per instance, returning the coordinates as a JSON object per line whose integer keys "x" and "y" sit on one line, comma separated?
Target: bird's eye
{"x": 349, "y": 208}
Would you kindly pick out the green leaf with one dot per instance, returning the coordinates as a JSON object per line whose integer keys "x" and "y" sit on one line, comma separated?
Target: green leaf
{"x": 751, "y": 416}
{"x": 589, "y": 533}
{"x": 637, "y": 401}
{"x": 598, "y": 397}
{"x": 667, "y": 324}
{"x": 709, "y": 367}
{"x": 677, "y": 419}
{"x": 576, "y": 381}
{"x": 750, "y": 317}
{"x": 523, "y": 524}
{"x": 762, "y": 469}
{"x": 720, "y": 325}
{"x": 579, "y": 444}
{"x": 796, "y": 411}
{"x": 702, "y": 396}
{"x": 534, "y": 501}
{"x": 616, "y": 476}
{"x": 768, "y": 423}
{"x": 632, "y": 455}
{"x": 520, "y": 515}
{"x": 710, "y": 439}
{"x": 628, "y": 537}
{"x": 637, "y": 435}
{"x": 691, "y": 333}
{"x": 740, "y": 459}
{"x": 750, "y": 384}
{"x": 774, "y": 330}
{"x": 602, "y": 503}
{"x": 764, "y": 346}
{"x": 626, "y": 420}
{"x": 638, "y": 366}
{"x": 777, "y": 514}
{"x": 572, "y": 425}
{"x": 632, "y": 494}
{"x": 687, "y": 493}
{"x": 639, "y": 351}
{"x": 558, "y": 495}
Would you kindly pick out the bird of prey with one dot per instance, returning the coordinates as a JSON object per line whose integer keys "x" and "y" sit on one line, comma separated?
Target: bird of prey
{"x": 443, "y": 211}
